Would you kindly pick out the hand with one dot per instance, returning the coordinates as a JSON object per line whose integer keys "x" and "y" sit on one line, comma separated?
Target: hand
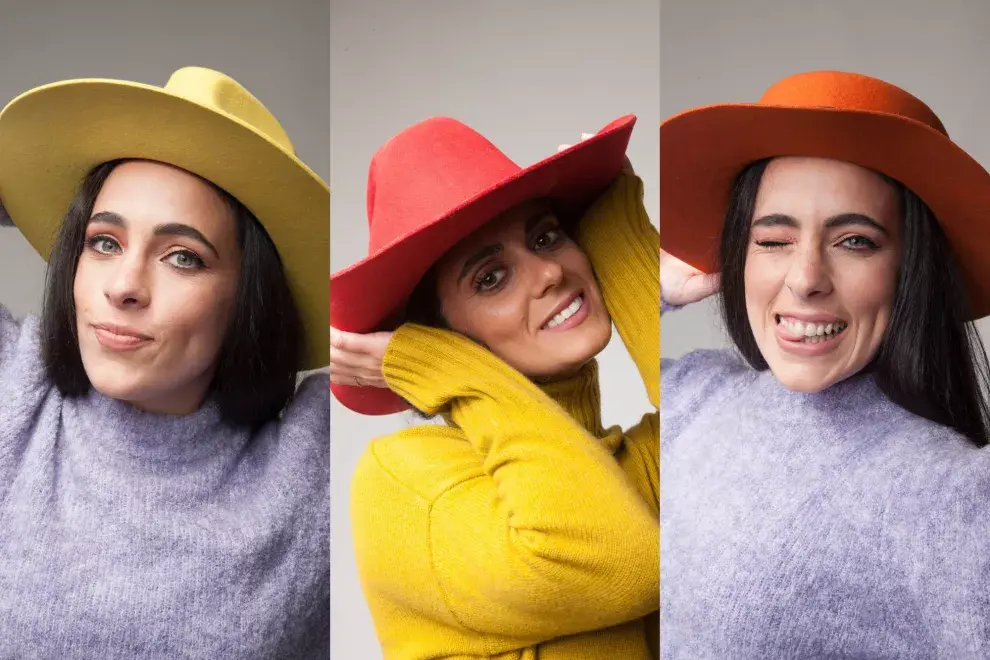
{"x": 356, "y": 359}
{"x": 681, "y": 284}
{"x": 626, "y": 165}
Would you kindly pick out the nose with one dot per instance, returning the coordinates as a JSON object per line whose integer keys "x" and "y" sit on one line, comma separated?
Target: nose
{"x": 547, "y": 273}
{"x": 808, "y": 275}
{"x": 126, "y": 285}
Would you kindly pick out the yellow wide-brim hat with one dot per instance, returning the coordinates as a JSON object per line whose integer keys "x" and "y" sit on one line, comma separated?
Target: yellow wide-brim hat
{"x": 203, "y": 122}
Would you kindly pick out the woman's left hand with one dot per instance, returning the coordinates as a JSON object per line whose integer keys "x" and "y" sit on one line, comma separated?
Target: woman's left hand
{"x": 626, "y": 164}
{"x": 356, "y": 359}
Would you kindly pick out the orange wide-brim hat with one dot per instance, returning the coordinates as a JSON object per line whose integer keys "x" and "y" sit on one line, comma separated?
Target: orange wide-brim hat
{"x": 824, "y": 114}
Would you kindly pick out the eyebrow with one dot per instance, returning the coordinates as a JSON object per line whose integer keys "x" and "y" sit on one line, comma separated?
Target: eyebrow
{"x": 841, "y": 220}
{"x": 491, "y": 250}
{"x": 170, "y": 229}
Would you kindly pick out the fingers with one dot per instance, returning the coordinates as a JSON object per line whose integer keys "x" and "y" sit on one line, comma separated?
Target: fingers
{"x": 626, "y": 164}
{"x": 342, "y": 358}
{"x": 357, "y": 380}
{"x": 372, "y": 343}
{"x": 700, "y": 287}
{"x": 356, "y": 359}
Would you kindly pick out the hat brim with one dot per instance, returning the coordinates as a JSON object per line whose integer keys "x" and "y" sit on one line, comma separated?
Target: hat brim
{"x": 702, "y": 151}
{"x": 52, "y": 136}
{"x": 368, "y": 294}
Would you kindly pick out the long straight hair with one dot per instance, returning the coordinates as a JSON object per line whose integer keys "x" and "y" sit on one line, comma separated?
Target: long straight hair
{"x": 931, "y": 360}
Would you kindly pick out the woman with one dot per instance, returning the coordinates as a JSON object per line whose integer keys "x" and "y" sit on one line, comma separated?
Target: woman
{"x": 163, "y": 486}
{"x": 825, "y": 491}
{"x": 521, "y": 527}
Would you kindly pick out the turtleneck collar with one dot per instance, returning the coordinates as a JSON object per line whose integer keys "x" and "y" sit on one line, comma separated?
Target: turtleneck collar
{"x": 121, "y": 429}
{"x": 580, "y": 397}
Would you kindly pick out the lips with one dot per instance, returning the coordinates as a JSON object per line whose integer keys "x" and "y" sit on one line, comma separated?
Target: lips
{"x": 564, "y": 311}
{"x": 122, "y": 332}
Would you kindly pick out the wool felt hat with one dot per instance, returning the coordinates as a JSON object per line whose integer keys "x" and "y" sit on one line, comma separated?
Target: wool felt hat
{"x": 202, "y": 121}
{"x": 826, "y": 114}
{"x": 431, "y": 186}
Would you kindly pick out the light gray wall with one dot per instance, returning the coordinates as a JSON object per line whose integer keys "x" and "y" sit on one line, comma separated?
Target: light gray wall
{"x": 529, "y": 76}
{"x": 278, "y": 49}
{"x": 714, "y": 51}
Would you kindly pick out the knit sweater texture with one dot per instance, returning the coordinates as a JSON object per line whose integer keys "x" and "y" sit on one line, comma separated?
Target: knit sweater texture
{"x": 522, "y": 529}
{"x": 829, "y": 525}
{"x": 126, "y": 535}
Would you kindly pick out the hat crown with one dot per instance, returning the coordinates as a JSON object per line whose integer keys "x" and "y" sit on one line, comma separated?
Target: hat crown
{"x": 426, "y": 172}
{"x": 849, "y": 91}
{"x": 219, "y": 92}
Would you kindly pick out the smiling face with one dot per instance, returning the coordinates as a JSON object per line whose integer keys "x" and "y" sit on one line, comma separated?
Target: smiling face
{"x": 526, "y": 291}
{"x": 155, "y": 287}
{"x": 821, "y": 269}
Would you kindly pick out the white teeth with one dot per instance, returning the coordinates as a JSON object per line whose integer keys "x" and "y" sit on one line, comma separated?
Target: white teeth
{"x": 565, "y": 313}
{"x": 813, "y": 332}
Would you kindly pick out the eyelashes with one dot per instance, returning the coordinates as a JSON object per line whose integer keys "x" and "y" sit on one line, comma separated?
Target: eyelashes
{"x": 856, "y": 243}
{"x": 491, "y": 277}
{"x": 180, "y": 259}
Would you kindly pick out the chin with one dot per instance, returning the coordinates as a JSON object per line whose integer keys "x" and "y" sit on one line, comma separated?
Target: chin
{"x": 118, "y": 389}
{"x": 115, "y": 381}
{"x": 805, "y": 381}
{"x": 581, "y": 351}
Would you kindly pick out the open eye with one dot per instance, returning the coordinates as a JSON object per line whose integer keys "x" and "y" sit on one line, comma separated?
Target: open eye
{"x": 548, "y": 238}
{"x": 489, "y": 280}
{"x": 103, "y": 244}
{"x": 859, "y": 243}
{"x": 185, "y": 260}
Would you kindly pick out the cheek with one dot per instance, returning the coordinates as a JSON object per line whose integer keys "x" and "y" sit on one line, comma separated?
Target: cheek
{"x": 869, "y": 290}
{"x": 493, "y": 320}
{"x": 197, "y": 315}
{"x": 762, "y": 285}
{"x": 84, "y": 286}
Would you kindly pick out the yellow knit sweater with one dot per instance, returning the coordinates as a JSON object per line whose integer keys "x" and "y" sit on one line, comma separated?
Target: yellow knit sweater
{"x": 522, "y": 529}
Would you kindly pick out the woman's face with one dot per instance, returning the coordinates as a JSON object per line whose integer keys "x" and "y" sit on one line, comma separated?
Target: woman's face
{"x": 155, "y": 287}
{"x": 522, "y": 288}
{"x": 821, "y": 269}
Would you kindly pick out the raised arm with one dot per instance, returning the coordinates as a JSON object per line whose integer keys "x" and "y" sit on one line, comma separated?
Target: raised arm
{"x": 546, "y": 537}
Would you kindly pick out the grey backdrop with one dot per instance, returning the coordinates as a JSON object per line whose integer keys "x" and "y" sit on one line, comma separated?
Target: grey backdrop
{"x": 527, "y": 75}
{"x": 278, "y": 49}
{"x": 721, "y": 50}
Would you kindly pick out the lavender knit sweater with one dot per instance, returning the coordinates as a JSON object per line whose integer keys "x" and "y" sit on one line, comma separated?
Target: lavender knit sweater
{"x": 830, "y": 525}
{"x": 128, "y": 535}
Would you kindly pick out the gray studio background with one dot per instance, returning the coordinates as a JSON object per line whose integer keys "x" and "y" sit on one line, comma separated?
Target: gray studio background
{"x": 279, "y": 50}
{"x": 528, "y": 76}
{"x": 713, "y": 51}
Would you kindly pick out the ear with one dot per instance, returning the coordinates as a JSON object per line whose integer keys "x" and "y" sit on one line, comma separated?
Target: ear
{"x": 5, "y": 220}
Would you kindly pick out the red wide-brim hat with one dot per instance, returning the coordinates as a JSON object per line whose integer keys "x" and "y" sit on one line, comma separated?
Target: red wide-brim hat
{"x": 430, "y": 187}
{"x": 824, "y": 114}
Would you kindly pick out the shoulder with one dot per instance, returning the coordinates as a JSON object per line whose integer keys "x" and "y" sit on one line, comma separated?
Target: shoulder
{"x": 702, "y": 372}
{"x": 421, "y": 463}
{"x": 309, "y": 408}
{"x": 21, "y": 363}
